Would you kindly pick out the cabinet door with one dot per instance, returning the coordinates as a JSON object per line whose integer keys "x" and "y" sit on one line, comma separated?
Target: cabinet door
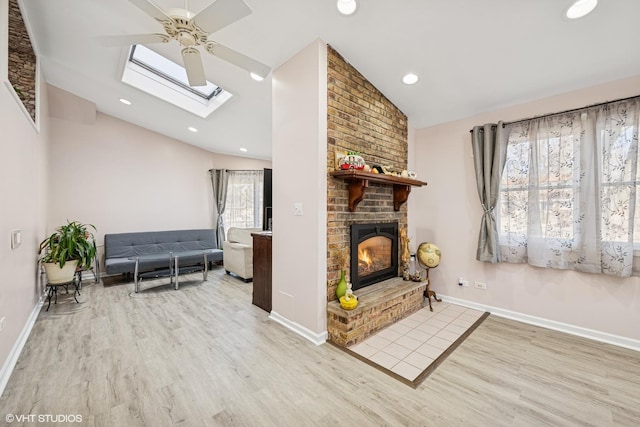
{"x": 262, "y": 271}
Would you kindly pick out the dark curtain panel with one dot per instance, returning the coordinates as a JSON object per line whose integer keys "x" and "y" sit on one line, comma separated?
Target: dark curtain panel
{"x": 267, "y": 198}
{"x": 219, "y": 181}
{"x": 489, "y": 156}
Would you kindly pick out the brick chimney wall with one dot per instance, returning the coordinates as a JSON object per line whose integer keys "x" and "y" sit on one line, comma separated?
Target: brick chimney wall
{"x": 359, "y": 118}
{"x": 22, "y": 60}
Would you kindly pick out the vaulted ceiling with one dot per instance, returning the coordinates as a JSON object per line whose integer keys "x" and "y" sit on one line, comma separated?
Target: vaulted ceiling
{"x": 471, "y": 56}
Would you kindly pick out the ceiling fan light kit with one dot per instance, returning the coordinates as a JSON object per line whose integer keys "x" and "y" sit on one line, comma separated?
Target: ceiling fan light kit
{"x": 192, "y": 30}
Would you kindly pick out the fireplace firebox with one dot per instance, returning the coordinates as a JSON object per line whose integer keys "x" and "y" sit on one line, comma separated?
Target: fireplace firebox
{"x": 374, "y": 253}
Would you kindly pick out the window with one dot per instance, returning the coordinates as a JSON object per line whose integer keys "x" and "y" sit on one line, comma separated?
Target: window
{"x": 551, "y": 186}
{"x": 568, "y": 192}
{"x": 164, "y": 79}
{"x": 169, "y": 70}
{"x": 244, "y": 200}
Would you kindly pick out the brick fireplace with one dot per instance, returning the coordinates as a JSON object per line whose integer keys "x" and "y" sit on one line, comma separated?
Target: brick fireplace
{"x": 360, "y": 118}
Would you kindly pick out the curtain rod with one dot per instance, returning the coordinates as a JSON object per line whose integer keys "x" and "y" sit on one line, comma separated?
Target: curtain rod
{"x": 567, "y": 111}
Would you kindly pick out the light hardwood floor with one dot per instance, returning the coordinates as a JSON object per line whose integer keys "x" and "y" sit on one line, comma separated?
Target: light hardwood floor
{"x": 203, "y": 355}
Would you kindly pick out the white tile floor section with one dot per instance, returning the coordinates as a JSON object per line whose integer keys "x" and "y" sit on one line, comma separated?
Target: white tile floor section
{"x": 409, "y": 346}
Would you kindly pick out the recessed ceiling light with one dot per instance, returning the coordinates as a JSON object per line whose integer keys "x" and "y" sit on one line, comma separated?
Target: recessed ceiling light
{"x": 410, "y": 79}
{"x": 580, "y": 8}
{"x": 244, "y": 150}
{"x": 347, "y": 7}
{"x": 125, "y": 101}
{"x": 192, "y": 129}
{"x": 256, "y": 77}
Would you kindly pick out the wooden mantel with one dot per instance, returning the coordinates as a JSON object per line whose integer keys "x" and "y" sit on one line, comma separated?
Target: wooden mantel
{"x": 359, "y": 180}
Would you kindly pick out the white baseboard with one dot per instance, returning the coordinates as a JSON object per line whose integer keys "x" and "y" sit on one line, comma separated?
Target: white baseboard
{"x": 549, "y": 324}
{"x": 317, "y": 339}
{"x": 12, "y": 359}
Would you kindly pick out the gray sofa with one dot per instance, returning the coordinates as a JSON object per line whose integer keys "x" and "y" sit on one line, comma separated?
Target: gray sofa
{"x": 121, "y": 249}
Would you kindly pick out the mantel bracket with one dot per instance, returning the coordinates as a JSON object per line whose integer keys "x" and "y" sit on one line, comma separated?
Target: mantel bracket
{"x": 358, "y": 181}
{"x": 356, "y": 192}
{"x": 400, "y": 195}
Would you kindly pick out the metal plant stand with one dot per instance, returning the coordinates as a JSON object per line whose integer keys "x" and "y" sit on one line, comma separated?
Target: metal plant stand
{"x": 52, "y": 290}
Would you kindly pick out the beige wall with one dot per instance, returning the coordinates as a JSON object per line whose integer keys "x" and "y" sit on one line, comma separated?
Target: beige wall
{"x": 447, "y": 212}
{"x": 93, "y": 168}
{"x": 123, "y": 178}
{"x": 22, "y": 184}
{"x": 299, "y": 176}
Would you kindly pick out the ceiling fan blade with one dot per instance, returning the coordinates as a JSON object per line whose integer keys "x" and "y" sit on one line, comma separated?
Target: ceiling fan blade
{"x": 221, "y": 13}
{"x": 193, "y": 65}
{"x": 131, "y": 39}
{"x": 150, "y": 9}
{"x": 239, "y": 59}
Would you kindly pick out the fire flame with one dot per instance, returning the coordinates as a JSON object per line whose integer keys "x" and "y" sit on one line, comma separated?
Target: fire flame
{"x": 363, "y": 255}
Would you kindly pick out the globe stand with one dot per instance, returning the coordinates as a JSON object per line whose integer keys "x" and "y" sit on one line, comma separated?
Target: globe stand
{"x": 428, "y": 293}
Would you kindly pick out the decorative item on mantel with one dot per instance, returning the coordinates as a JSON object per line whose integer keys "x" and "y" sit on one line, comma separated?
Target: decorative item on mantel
{"x": 353, "y": 160}
{"x": 408, "y": 174}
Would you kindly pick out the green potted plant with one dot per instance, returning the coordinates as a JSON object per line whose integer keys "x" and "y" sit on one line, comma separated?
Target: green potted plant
{"x": 70, "y": 247}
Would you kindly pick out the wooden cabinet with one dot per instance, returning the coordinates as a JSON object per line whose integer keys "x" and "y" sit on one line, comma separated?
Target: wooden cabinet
{"x": 262, "y": 270}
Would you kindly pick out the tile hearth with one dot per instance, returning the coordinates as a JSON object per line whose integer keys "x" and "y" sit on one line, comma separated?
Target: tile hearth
{"x": 410, "y": 347}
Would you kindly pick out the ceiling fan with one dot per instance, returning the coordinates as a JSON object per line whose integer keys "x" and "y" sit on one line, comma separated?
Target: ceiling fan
{"x": 192, "y": 30}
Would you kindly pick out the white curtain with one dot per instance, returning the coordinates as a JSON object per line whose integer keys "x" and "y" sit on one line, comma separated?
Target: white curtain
{"x": 569, "y": 190}
{"x": 244, "y": 199}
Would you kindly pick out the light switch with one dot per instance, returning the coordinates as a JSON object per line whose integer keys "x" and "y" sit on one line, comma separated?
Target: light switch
{"x": 16, "y": 239}
{"x": 297, "y": 209}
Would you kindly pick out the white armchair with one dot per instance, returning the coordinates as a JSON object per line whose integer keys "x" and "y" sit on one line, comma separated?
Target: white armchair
{"x": 237, "y": 252}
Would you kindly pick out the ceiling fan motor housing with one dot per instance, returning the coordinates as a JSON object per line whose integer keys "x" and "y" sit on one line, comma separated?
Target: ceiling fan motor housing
{"x": 181, "y": 28}
{"x": 192, "y": 30}
{"x": 177, "y": 13}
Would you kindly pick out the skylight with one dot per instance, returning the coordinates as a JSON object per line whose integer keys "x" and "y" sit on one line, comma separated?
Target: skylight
{"x": 164, "y": 79}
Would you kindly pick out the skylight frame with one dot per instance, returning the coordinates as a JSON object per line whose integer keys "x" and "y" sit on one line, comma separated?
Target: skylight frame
{"x": 165, "y": 73}
{"x": 139, "y": 75}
